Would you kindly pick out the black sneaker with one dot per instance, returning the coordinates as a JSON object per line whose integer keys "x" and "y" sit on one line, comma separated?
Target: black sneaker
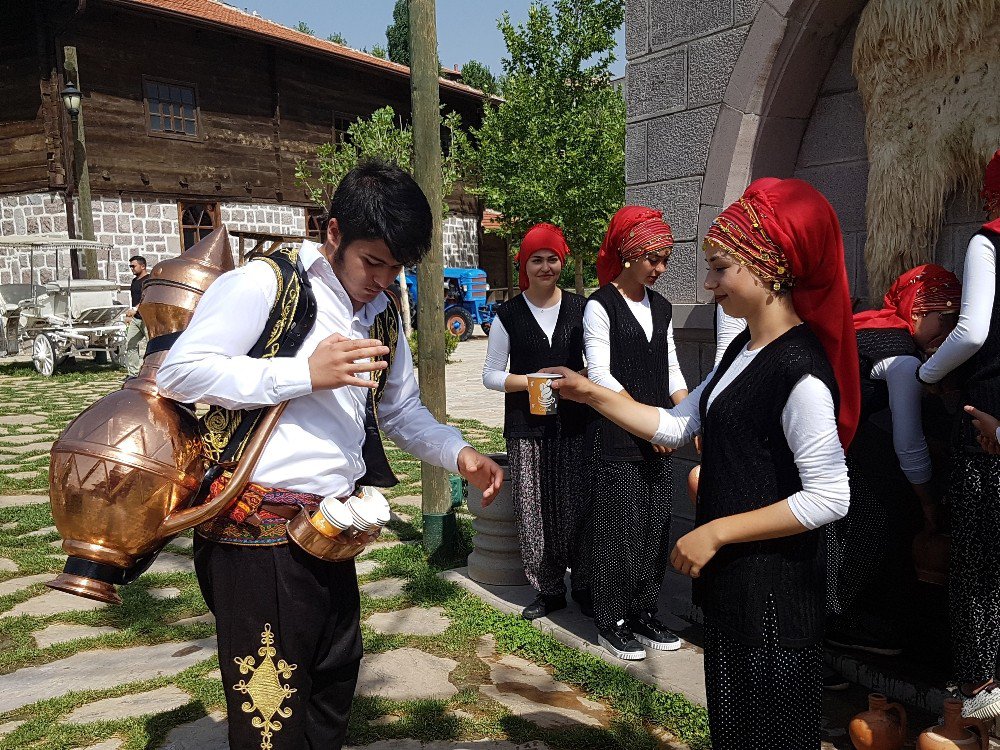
{"x": 652, "y": 633}
{"x": 621, "y": 642}
{"x": 584, "y": 598}
{"x": 834, "y": 681}
{"x": 862, "y": 642}
{"x": 542, "y": 606}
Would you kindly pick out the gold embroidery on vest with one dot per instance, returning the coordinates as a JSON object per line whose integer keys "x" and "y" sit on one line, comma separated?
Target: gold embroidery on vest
{"x": 265, "y": 689}
{"x": 385, "y": 328}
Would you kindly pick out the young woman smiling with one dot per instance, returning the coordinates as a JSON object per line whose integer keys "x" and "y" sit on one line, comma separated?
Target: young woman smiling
{"x": 774, "y": 417}
{"x": 542, "y": 327}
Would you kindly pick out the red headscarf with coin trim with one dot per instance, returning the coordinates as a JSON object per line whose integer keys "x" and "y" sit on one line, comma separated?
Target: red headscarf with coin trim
{"x": 991, "y": 190}
{"x": 787, "y": 233}
{"x": 921, "y": 289}
{"x": 633, "y": 232}
{"x": 540, "y": 237}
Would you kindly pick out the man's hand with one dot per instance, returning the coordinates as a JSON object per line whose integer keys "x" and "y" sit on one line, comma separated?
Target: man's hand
{"x": 129, "y": 314}
{"x": 571, "y": 385}
{"x": 338, "y": 360}
{"x": 482, "y": 472}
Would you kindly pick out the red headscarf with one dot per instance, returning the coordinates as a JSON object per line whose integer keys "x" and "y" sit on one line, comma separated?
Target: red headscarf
{"x": 921, "y": 289}
{"x": 633, "y": 232}
{"x": 787, "y": 230}
{"x": 540, "y": 237}
{"x": 991, "y": 189}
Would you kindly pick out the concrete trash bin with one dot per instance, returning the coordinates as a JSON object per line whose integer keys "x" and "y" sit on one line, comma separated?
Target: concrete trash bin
{"x": 496, "y": 554}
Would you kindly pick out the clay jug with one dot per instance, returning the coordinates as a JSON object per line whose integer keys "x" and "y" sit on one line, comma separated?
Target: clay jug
{"x": 881, "y": 727}
{"x": 954, "y": 733}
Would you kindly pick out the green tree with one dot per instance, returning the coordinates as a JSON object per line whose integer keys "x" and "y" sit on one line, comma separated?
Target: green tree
{"x": 305, "y": 28}
{"x": 379, "y": 51}
{"x": 337, "y": 38}
{"x": 554, "y": 149}
{"x": 383, "y": 136}
{"x": 397, "y": 34}
{"x": 479, "y": 76}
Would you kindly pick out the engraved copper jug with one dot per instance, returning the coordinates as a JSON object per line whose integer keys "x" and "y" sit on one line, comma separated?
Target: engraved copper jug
{"x": 125, "y": 472}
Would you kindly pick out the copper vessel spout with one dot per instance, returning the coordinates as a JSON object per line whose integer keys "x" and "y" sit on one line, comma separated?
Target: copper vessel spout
{"x": 134, "y": 459}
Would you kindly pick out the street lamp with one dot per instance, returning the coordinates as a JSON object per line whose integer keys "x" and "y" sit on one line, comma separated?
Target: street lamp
{"x": 71, "y": 99}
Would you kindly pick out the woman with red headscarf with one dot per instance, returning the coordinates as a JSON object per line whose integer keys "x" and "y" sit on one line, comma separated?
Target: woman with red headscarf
{"x": 774, "y": 416}
{"x": 869, "y": 548}
{"x": 629, "y": 339}
{"x": 972, "y": 351}
{"x": 541, "y": 327}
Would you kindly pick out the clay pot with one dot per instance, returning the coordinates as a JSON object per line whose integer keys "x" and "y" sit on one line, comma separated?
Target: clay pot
{"x": 930, "y": 556}
{"x": 881, "y": 727}
{"x": 693, "y": 477}
{"x": 954, "y": 734}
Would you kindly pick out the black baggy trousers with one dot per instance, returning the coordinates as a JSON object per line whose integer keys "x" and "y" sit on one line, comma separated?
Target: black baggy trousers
{"x": 289, "y": 642}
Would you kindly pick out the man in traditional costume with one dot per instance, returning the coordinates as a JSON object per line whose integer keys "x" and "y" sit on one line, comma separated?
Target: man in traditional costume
{"x": 311, "y": 327}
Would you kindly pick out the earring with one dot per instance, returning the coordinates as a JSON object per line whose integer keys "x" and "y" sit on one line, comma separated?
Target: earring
{"x": 628, "y": 264}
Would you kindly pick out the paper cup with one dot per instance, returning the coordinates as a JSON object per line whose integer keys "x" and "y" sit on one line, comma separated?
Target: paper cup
{"x": 543, "y": 399}
{"x": 332, "y": 517}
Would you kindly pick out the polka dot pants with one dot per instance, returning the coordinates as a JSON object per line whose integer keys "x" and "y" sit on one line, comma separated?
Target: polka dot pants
{"x": 551, "y": 499}
{"x": 974, "y": 578}
{"x": 762, "y": 697}
{"x": 631, "y": 536}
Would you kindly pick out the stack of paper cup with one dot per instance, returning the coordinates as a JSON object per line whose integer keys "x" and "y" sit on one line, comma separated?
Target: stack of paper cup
{"x": 377, "y": 500}
{"x": 332, "y": 517}
{"x": 364, "y": 514}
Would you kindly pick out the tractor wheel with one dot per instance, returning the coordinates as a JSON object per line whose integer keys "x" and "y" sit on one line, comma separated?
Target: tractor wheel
{"x": 459, "y": 323}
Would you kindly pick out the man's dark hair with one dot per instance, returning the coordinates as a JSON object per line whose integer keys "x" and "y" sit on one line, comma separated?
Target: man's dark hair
{"x": 379, "y": 201}
{"x": 138, "y": 258}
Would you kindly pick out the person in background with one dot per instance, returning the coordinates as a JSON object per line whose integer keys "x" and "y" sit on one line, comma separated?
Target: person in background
{"x": 543, "y": 327}
{"x": 972, "y": 352}
{"x": 629, "y": 340}
{"x": 868, "y": 549}
{"x": 775, "y": 416}
{"x": 135, "y": 331}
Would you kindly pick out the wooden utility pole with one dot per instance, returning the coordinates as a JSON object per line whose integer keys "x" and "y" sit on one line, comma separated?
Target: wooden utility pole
{"x": 81, "y": 172}
{"x": 439, "y": 521}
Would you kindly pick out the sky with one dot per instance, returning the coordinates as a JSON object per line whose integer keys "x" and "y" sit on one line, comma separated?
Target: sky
{"x": 466, "y": 28}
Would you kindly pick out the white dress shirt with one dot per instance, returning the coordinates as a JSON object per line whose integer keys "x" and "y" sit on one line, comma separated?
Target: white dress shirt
{"x": 316, "y": 446}
{"x": 810, "y": 427}
{"x": 597, "y": 344}
{"x": 498, "y": 348}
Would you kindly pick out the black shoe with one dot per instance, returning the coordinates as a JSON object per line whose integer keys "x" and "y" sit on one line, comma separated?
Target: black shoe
{"x": 584, "y": 598}
{"x": 542, "y": 606}
{"x": 862, "y": 642}
{"x": 652, "y": 633}
{"x": 834, "y": 681}
{"x": 621, "y": 642}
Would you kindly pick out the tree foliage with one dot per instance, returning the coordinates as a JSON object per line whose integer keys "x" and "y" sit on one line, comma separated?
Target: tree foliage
{"x": 337, "y": 38}
{"x": 379, "y": 51}
{"x": 382, "y": 136}
{"x": 397, "y": 34}
{"x": 554, "y": 150}
{"x": 305, "y": 28}
{"x": 479, "y": 76}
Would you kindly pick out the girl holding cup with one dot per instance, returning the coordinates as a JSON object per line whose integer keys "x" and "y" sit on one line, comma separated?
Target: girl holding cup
{"x": 774, "y": 415}
{"x": 543, "y": 327}
{"x": 630, "y": 349}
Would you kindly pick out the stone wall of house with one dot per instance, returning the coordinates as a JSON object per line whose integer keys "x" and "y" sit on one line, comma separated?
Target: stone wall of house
{"x": 461, "y": 240}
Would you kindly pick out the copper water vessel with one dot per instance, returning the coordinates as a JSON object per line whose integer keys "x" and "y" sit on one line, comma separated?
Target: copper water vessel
{"x": 126, "y": 471}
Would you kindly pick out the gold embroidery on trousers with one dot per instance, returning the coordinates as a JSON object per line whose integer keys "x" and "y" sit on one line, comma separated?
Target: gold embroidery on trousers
{"x": 264, "y": 688}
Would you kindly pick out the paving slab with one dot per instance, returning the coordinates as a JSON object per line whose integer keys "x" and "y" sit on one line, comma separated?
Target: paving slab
{"x": 8, "y": 727}
{"x": 156, "y": 701}
{"x": 21, "y": 419}
{"x": 405, "y": 674}
{"x": 113, "y": 744}
{"x": 384, "y": 588}
{"x": 168, "y": 562}
{"x": 182, "y": 542}
{"x": 7, "y": 565}
{"x": 44, "y": 531}
{"x": 22, "y": 475}
{"x": 29, "y": 448}
{"x": 207, "y": 733}
{"x": 364, "y": 567}
{"x": 410, "y": 621}
{"x": 208, "y": 617}
{"x": 9, "y": 525}
{"x": 8, "y": 440}
{"x": 19, "y": 584}
{"x": 449, "y": 745}
{"x": 99, "y": 670}
{"x": 54, "y": 603}
{"x": 167, "y": 592}
{"x": 63, "y": 633}
{"x": 12, "y": 501}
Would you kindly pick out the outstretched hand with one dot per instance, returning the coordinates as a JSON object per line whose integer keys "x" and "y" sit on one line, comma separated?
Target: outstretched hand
{"x": 482, "y": 472}
{"x": 986, "y": 425}
{"x": 572, "y": 385}
{"x": 338, "y": 360}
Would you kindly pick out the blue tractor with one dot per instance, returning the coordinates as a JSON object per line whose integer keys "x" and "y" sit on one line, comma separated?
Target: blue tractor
{"x": 465, "y": 300}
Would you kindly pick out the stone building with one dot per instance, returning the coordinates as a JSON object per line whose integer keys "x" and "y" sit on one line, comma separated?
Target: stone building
{"x": 195, "y": 115}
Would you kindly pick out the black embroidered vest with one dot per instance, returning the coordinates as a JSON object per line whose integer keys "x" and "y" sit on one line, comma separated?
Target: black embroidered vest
{"x": 980, "y": 374}
{"x": 530, "y": 351}
{"x": 640, "y": 365}
{"x": 747, "y": 464}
